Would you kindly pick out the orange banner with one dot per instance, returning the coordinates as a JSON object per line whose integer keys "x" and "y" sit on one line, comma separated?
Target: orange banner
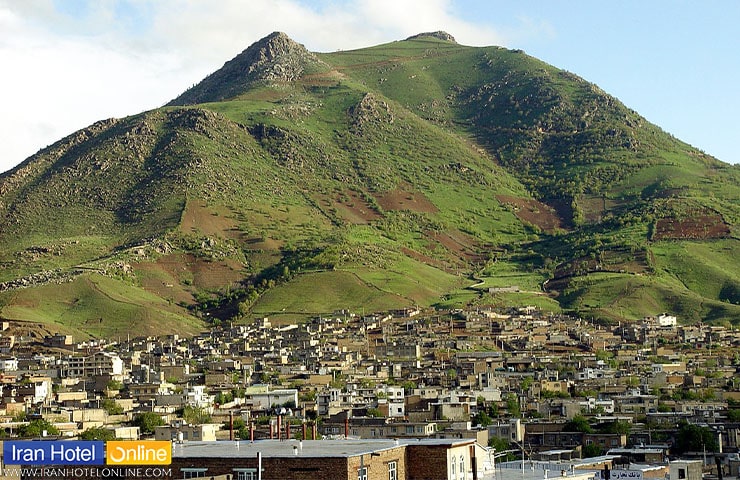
{"x": 138, "y": 452}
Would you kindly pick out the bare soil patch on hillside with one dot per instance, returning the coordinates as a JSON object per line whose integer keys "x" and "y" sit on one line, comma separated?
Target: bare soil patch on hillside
{"x": 462, "y": 246}
{"x": 405, "y": 198}
{"x": 210, "y": 274}
{"x": 199, "y": 218}
{"x": 26, "y": 331}
{"x": 533, "y": 212}
{"x": 168, "y": 275}
{"x": 351, "y": 207}
{"x": 623, "y": 260}
{"x": 697, "y": 227}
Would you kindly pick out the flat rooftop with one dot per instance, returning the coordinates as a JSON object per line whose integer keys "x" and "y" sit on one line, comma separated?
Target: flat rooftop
{"x": 307, "y": 448}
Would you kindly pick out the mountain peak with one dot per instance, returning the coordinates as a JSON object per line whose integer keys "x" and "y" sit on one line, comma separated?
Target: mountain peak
{"x": 274, "y": 58}
{"x": 274, "y": 46}
{"x": 439, "y": 34}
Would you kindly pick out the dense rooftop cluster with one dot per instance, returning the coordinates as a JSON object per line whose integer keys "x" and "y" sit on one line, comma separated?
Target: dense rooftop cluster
{"x": 518, "y": 377}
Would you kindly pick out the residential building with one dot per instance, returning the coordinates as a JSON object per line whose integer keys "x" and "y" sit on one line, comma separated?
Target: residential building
{"x": 99, "y": 363}
{"x": 181, "y": 431}
{"x": 329, "y": 459}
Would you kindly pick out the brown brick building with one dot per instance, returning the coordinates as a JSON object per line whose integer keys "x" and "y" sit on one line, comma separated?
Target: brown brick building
{"x": 326, "y": 459}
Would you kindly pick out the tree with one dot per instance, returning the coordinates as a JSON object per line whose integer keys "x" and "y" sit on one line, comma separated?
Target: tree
{"x": 240, "y": 427}
{"x": 111, "y": 407}
{"x": 408, "y": 386}
{"x": 374, "y": 412}
{"x": 308, "y": 396}
{"x": 36, "y": 428}
{"x": 592, "y": 450}
{"x": 586, "y": 393}
{"x": 616, "y": 427}
{"x": 481, "y": 418}
{"x": 501, "y": 445}
{"x": 512, "y": 406}
{"x": 223, "y": 397}
{"x": 98, "y": 433}
{"x": 195, "y": 415}
{"x": 147, "y": 421}
{"x": 579, "y": 423}
{"x": 114, "y": 385}
{"x": 526, "y": 383}
{"x": 693, "y": 438}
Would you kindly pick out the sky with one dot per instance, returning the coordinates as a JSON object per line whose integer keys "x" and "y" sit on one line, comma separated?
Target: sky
{"x": 68, "y": 63}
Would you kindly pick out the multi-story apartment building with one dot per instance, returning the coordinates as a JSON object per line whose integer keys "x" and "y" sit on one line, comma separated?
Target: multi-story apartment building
{"x": 97, "y": 364}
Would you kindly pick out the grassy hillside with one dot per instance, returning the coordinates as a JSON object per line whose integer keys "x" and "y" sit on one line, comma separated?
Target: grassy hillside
{"x": 416, "y": 172}
{"x": 99, "y": 306}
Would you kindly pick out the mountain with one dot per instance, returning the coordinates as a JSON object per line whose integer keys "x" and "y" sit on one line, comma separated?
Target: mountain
{"x": 274, "y": 58}
{"x": 419, "y": 172}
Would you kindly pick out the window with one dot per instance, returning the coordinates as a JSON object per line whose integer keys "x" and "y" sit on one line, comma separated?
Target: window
{"x": 462, "y": 468}
{"x": 245, "y": 475}
{"x": 681, "y": 473}
{"x": 194, "y": 472}
{"x": 392, "y": 471}
{"x": 362, "y": 473}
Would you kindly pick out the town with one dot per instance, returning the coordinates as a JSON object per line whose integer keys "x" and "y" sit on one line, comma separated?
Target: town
{"x": 504, "y": 387}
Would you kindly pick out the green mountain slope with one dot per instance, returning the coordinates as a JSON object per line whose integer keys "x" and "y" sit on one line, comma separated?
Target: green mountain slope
{"x": 292, "y": 184}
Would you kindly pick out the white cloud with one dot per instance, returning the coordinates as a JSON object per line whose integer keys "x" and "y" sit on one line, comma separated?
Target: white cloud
{"x": 64, "y": 70}
{"x": 55, "y": 84}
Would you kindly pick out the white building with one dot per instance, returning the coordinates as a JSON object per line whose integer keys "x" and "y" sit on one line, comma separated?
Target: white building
{"x": 591, "y": 404}
{"x": 196, "y": 396}
{"x": 589, "y": 373}
{"x": 395, "y": 400}
{"x": 180, "y": 431}
{"x": 8, "y": 364}
{"x": 665, "y": 320}
{"x": 262, "y": 397}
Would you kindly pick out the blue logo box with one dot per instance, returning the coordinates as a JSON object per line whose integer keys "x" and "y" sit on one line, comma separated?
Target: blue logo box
{"x": 55, "y": 452}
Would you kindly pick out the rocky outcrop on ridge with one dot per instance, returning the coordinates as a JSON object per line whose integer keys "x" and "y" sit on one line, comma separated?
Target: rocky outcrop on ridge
{"x": 440, "y": 35}
{"x": 275, "y": 58}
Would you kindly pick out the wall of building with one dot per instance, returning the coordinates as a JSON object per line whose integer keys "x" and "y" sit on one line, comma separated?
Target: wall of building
{"x": 300, "y": 468}
{"x": 425, "y": 462}
{"x": 377, "y": 464}
{"x": 686, "y": 470}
